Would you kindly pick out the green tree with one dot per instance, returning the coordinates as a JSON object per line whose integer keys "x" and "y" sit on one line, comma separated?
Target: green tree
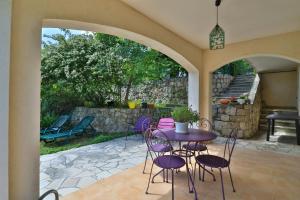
{"x": 91, "y": 69}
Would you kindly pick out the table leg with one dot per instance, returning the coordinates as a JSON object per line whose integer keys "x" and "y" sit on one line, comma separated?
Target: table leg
{"x": 273, "y": 126}
{"x": 269, "y": 129}
{"x": 297, "y": 131}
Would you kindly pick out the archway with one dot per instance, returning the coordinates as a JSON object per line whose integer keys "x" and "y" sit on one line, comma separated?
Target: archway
{"x": 144, "y": 42}
{"x": 193, "y": 77}
{"x": 275, "y": 87}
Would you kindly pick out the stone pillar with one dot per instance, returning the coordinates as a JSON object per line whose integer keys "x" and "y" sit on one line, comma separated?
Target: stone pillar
{"x": 5, "y": 24}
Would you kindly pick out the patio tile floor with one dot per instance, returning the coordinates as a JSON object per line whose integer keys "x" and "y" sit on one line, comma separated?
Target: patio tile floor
{"x": 68, "y": 171}
{"x": 258, "y": 175}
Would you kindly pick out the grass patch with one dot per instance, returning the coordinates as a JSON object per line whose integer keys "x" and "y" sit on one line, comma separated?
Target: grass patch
{"x": 79, "y": 141}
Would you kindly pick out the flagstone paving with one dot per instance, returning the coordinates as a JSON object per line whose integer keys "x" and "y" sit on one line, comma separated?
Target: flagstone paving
{"x": 68, "y": 171}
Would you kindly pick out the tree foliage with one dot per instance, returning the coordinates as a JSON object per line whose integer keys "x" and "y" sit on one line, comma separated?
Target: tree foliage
{"x": 236, "y": 68}
{"x": 91, "y": 69}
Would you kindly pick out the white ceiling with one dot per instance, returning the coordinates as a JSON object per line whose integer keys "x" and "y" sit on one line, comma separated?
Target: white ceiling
{"x": 267, "y": 63}
{"x": 241, "y": 19}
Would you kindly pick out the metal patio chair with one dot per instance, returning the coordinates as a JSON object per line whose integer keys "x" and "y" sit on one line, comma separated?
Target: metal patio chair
{"x": 219, "y": 162}
{"x": 196, "y": 147}
{"x": 163, "y": 161}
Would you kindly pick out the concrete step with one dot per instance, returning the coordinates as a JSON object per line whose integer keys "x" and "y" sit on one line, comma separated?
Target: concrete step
{"x": 242, "y": 80}
{"x": 236, "y": 90}
{"x": 241, "y": 85}
{"x": 231, "y": 94}
{"x": 238, "y": 87}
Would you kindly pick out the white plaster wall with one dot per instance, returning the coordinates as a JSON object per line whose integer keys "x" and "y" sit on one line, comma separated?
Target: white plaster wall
{"x": 298, "y": 88}
{"x": 279, "y": 89}
{"x": 5, "y": 24}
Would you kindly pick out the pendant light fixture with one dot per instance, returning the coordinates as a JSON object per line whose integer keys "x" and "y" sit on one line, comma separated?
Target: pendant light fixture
{"x": 217, "y": 35}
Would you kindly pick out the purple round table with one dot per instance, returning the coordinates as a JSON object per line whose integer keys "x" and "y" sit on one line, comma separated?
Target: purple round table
{"x": 193, "y": 135}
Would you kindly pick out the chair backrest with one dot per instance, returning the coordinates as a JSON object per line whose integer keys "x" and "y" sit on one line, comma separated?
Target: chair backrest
{"x": 142, "y": 124}
{"x": 152, "y": 139}
{"x": 60, "y": 121}
{"x": 84, "y": 123}
{"x": 166, "y": 123}
{"x": 205, "y": 124}
{"x": 230, "y": 144}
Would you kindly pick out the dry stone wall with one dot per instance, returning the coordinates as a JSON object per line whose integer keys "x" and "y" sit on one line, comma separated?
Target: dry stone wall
{"x": 220, "y": 83}
{"x": 171, "y": 91}
{"x": 244, "y": 117}
{"x": 110, "y": 120}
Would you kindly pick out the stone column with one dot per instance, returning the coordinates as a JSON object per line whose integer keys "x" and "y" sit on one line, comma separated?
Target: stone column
{"x": 5, "y": 24}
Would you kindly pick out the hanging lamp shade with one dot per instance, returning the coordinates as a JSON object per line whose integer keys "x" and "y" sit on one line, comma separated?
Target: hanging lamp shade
{"x": 217, "y": 35}
{"x": 217, "y": 38}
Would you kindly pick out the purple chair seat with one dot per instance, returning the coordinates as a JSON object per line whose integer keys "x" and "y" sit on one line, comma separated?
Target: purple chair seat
{"x": 169, "y": 162}
{"x": 161, "y": 148}
{"x": 212, "y": 161}
{"x": 195, "y": 147}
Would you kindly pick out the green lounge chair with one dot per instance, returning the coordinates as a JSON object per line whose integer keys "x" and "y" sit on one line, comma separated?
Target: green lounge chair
{"x": 56, "y": 126}
{"x": 79, "y": 128}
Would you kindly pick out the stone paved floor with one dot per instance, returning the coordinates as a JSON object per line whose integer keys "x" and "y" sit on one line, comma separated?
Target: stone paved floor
{"x": 70, "y": 170}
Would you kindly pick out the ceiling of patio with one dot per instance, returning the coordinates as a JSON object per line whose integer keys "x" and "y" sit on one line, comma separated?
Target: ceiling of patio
{"x": 272, "y": 64}
{"x": 242, "y": 20}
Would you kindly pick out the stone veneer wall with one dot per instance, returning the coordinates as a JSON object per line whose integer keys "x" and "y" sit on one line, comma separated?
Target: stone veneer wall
{"x": 220, "y": 82}
{"x": 244, "y": 117}
{"x": 170, "y": 91}
{"x": 110, "y": 120}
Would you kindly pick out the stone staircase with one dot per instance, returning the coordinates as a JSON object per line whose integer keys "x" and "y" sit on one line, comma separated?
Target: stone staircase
{"x": 285, "y": 126}
{"x": 240, "y": 84}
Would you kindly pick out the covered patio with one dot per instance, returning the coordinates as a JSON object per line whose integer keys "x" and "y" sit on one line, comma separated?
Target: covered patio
{"x": 257, "y": 174}
{"x": 179, "y": 29}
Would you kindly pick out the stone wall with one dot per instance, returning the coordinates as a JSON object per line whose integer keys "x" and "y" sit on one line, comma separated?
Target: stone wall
{"x": 244, "y": 117}
{"x": 110, "y": 120}
{"x": 220, "y": 82}
{"x": 171, "y": 91}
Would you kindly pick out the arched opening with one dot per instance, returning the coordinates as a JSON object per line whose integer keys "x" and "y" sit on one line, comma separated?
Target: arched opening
{"x": 67, "y": 185}
{"x": 244, "y": 100}
{"x": 193, "y": 72}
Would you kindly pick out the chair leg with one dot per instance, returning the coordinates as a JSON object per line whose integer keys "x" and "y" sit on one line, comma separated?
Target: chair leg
{"x": 211, "y": 169}
{"x": 149, "y": 179}
{"x": 172, "y": 184}
{"x": 199, "y": 173}
{"x": 203, "y": 173}
{"x": 231, "y": 179}
{"x": 168, "y": 176}
{"x": 222, "y": 183}
{"x": 145, "y": 161}
{"x": 156, "y": 175}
